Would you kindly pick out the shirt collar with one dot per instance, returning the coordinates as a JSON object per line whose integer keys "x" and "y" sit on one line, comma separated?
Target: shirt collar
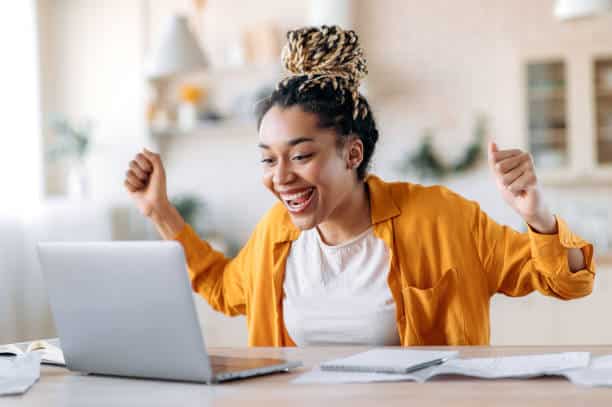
{"x": 382, "y": 206}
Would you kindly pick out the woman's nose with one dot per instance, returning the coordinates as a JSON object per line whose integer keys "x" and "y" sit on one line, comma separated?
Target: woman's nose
{"x": 282, "y": 173}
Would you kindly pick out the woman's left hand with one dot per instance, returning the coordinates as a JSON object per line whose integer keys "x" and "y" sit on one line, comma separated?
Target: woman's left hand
{"x": 516, "y": 179}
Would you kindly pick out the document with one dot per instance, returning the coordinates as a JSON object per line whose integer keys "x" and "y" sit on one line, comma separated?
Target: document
{"x": 519, "y": 367}
{"x": 598, "y": 373}
{"x": 49, "y": 350}
{"x": 516, "y": 367}
{"x": 18, "y": 374}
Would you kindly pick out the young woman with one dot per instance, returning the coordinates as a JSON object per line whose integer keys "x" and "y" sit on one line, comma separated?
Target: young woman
{"x": 347, "y": 258}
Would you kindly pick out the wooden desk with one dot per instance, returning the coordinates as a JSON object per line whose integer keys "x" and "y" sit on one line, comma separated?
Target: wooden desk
{"x": 59, "y": 387}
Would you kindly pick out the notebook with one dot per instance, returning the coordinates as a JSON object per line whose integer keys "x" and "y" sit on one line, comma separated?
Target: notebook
{"x": 389, "y": 361}
{"x": 49, "y": 350}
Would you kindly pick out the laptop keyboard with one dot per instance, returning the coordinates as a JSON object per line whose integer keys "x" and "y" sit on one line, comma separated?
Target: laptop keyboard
{"x": 233, "y": 364}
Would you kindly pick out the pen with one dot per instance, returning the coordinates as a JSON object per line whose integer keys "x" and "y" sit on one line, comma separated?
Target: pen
{"x": 384, "y": 369}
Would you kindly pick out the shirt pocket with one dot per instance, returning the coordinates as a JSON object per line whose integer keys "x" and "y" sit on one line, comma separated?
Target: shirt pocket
{"x": 435, "y": 315}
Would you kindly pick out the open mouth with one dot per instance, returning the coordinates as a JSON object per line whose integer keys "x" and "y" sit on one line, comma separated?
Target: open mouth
{"x": 297, "y": 203}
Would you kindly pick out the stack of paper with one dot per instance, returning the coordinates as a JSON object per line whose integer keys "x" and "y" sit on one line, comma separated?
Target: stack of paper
{"x": 18, "y": 374}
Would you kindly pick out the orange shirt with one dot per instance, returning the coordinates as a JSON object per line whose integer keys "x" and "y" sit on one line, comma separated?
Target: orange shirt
{"x": 447, "y": 259}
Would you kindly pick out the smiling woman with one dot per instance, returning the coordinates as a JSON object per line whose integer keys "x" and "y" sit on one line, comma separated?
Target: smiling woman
{"x": 347, "y": 258}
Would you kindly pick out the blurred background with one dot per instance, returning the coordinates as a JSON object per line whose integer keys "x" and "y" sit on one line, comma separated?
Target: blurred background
{"x": 86, "y": 84}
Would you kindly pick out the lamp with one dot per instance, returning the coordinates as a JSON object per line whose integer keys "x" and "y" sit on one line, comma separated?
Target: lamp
{"x": 326, "y": 12}
{"x": 573, "y": 9}
{"x": 178, "y": 51}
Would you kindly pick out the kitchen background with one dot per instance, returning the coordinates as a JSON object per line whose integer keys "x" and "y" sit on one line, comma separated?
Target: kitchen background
{"x": 93, "y": 82}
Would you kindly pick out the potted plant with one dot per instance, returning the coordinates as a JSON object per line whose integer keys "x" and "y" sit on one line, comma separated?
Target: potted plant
{"x": 72, "y": 141}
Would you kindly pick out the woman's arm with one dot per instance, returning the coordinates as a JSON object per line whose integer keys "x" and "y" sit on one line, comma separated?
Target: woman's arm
{"x": 167, "y": 220}
{"x": 515, "y": 177}
{"x": 220, "y": 280}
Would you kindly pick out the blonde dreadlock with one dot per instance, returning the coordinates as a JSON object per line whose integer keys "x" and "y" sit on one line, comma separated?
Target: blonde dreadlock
{"x": 327, "y": 56}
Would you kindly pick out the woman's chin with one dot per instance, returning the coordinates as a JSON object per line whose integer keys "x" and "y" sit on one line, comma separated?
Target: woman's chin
{"x": 303, "y": 222}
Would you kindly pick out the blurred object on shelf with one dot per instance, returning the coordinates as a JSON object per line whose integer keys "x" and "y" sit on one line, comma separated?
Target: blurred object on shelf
{"x": 576, "y": 9}
{"x": 192, "y": 94}
{"x": 178, "y": 51}
{"x": 72, "y": 142}
{"x": 428, "y": 165}
{"x": 191, "y": 207}
{"x": 191, "y": 97}
{"x": 193, "y": 210}
{"x": 246, "y": 103}
{"x": 336, "y": 12}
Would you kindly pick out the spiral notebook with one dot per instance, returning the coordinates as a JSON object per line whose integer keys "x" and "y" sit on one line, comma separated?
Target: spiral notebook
{"x": 389, "y": 361}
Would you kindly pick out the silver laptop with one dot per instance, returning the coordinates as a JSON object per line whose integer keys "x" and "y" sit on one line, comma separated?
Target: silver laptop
{"x": 126, "y": 309}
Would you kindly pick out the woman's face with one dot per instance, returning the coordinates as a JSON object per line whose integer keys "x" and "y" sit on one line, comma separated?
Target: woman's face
{"x": 303, "y": 166}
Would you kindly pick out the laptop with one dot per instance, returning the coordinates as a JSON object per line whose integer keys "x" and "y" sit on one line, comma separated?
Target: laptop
{"x": 126, "y": 309}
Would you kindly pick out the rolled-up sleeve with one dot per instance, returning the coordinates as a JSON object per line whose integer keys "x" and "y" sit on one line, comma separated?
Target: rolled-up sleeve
{"x": 516, "y": 263}
{"x": 550, "y": 253}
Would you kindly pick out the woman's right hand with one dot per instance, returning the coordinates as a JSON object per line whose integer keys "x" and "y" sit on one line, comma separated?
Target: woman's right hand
{"x": 145, "y": 181}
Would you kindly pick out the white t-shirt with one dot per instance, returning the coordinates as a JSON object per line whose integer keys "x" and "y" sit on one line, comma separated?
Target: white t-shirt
{"x": 339, "y": 294}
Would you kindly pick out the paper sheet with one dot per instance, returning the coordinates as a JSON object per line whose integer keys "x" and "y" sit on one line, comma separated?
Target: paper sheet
{"x": 18, "y": 374}
{"x": 488, "y": 368}
{"x": 598, "y": 373}
{"x": 520, "y": 367}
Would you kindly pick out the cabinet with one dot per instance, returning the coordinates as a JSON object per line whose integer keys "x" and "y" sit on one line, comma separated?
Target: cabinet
{"x": 547, "y": 114}
{"x": 568, "y": 119}
{"x": 602, "y": 75}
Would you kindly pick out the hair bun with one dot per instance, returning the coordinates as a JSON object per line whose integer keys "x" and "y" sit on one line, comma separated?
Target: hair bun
{"x": 326, "y": 51}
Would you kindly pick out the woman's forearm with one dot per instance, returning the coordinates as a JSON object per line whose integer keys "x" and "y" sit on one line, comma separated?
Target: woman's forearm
{"x": 167, "y": 220}
{"x": 575, "y": 259}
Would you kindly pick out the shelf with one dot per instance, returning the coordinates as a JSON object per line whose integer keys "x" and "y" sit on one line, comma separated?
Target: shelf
{"x": 203, "y": 129}
{"x": 601, "y": 177}
{"x": 535, "y": 94}
{"x": 547, "y": 114}
{"x": 607, "y": 93}
{"x": 547, "y": 135}
{"x": 603, "y": 108}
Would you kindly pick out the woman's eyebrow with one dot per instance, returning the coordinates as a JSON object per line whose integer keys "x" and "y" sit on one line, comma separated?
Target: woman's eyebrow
{"x": 292, "y": 142}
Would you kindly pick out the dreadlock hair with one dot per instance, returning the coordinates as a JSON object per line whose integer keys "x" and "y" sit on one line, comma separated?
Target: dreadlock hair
{"x": 325, "y": 66}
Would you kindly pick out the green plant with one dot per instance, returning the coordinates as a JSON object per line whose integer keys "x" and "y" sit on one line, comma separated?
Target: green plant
{"x": 426, "y": 163}
{"x": 70, "y": 139}
{"x": 189, "y": 206}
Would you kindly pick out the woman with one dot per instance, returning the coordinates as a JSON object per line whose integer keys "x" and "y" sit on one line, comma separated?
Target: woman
{"x": 345, "y": 257}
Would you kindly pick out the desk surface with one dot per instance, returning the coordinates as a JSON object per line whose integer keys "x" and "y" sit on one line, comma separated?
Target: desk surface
{"x": 60, "y": 387}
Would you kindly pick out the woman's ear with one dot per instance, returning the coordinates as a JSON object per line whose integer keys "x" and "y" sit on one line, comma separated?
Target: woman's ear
{"x": 355, "y": 152}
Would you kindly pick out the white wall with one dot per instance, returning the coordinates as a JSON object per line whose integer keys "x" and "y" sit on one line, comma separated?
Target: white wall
{"x": 92, "y": 67}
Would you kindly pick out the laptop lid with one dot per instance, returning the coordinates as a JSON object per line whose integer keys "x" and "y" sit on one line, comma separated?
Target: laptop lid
{"x": 125, "y": 308}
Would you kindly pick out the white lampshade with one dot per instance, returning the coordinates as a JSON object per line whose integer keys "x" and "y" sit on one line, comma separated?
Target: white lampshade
{"x": 178, "y": 51}
{"x": 572, "y": 9}
{"x": 331, "y": 12}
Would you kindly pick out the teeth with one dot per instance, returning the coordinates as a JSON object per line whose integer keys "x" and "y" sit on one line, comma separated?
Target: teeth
{"x": 298, "y": 206}
{"x": 296, "y": 196}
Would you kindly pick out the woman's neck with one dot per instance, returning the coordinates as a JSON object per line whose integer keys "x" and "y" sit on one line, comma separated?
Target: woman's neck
{"x": 349, "y": 219}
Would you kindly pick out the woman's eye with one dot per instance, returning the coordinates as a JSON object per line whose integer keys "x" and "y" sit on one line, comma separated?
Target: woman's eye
{"x": 302, "y": 157}
{"x": 266, "y": 161}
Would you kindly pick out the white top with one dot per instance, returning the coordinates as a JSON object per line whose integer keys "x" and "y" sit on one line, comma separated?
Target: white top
{"x": 339, "y": 294}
